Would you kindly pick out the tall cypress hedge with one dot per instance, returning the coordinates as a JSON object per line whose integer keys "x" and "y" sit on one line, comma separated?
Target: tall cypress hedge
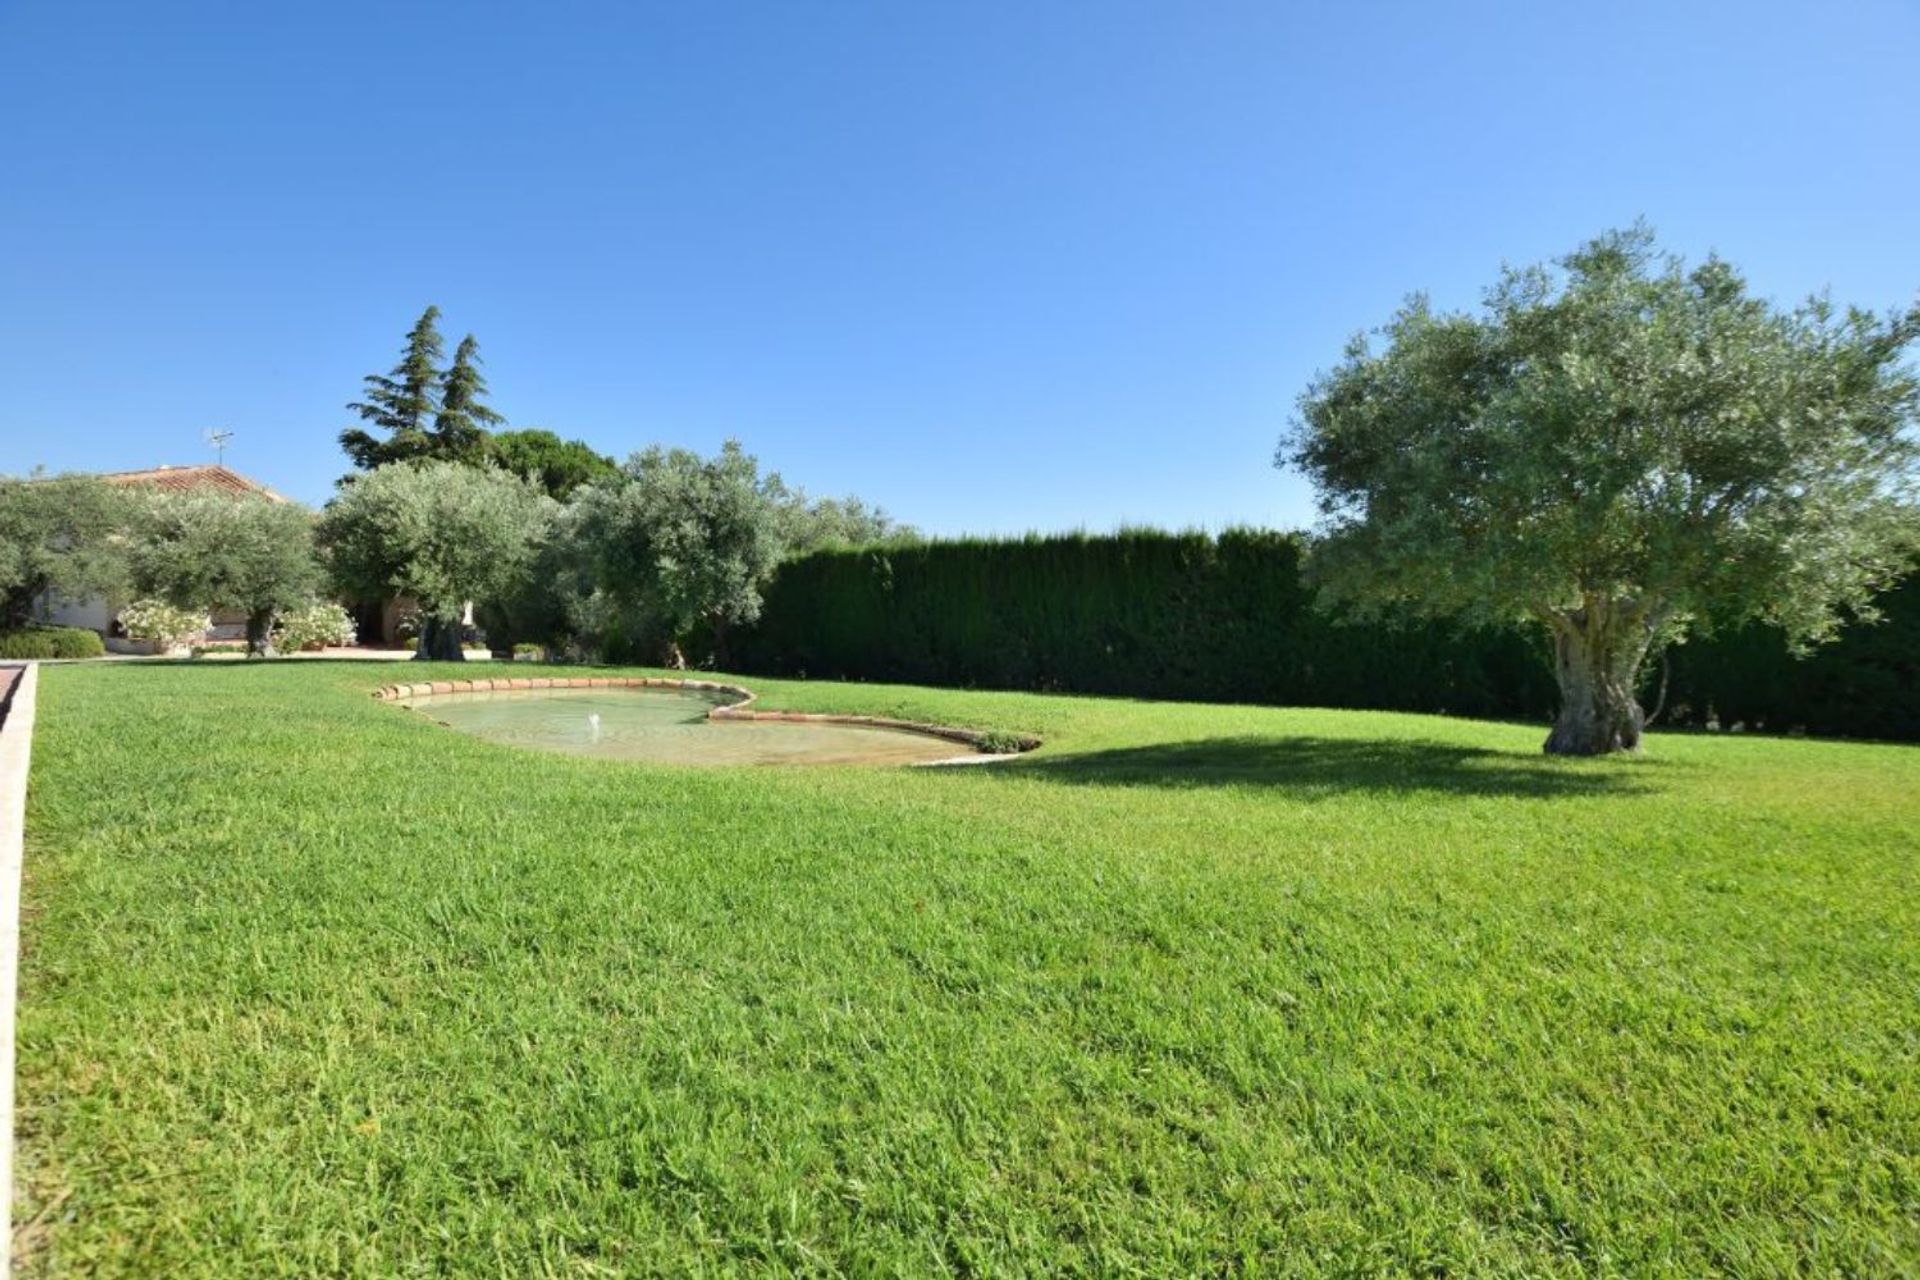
{"x": 1864, "y": 685}
{"x": 1146, "y": 613}
{"x": 1229, "y": 619}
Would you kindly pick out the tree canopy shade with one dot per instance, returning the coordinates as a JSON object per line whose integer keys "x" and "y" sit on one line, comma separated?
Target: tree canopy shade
{"x": 686, "y": 540}
{"x": 207, "y": 551}
{"x": 442, "y": 533}
{"x": 1623, "y": 450}
{"x": 58, "y": 534}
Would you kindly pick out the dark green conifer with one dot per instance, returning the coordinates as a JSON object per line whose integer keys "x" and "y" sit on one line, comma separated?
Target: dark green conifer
{"x": 402, "y": 403}
{"x": 460, "y": 429}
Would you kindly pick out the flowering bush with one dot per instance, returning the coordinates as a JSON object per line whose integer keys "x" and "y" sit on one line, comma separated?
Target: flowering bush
{"x": 314, "y": 626}
{"x": 162, "y": 623}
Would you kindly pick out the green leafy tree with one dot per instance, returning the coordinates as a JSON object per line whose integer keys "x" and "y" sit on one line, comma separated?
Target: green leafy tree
{"x": 402, "y": 403}
{"x": 462, "y": 425}
{"x": 59, "y": 536}
{"x": 820, "y": 523}
{"x": 687, "y": 541}
{"x": 556, "y": 465}
{"x": 213, "y": 551}
{"x": 441, "y": 533}
{"x": 1621, "y": 451}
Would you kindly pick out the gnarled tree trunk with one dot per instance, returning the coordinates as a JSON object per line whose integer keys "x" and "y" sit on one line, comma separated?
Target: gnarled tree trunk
{"x": 440, "y": 640}
{"x": 259, "y": 633}
{"x": 1597, "y": 652}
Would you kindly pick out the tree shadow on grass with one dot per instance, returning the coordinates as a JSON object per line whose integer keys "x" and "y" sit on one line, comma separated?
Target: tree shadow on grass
{"x": 1323, "y": 766}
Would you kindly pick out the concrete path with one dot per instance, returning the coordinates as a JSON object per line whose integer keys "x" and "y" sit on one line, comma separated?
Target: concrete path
{"x": 18, "y": 686}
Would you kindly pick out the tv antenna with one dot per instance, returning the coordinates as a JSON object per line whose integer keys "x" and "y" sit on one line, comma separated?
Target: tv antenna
{"x": 218, "y": 439}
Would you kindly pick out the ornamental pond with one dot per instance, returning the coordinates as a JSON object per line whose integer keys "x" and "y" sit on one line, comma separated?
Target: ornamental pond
{"x": 672, "y": 726}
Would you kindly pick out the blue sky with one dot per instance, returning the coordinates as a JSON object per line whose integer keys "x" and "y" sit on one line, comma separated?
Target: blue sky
{"x": 994, "y": 266}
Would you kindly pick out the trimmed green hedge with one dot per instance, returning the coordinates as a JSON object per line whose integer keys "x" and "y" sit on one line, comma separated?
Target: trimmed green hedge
{"x": 36, "y": 643}
{"x": 1147, "y": 613}
{"x": 1228, "y": 619}
{"x": 1864, "y": 685}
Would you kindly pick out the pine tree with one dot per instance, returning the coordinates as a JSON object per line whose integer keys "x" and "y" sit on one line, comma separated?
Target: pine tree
{"x": 460, "y": 428}
{"x": 401, "y": 402}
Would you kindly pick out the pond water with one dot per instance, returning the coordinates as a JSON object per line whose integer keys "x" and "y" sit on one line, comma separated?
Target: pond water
{"x": 670, "y": 726}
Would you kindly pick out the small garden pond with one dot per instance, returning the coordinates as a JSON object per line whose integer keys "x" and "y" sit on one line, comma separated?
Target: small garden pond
{"x": 670, "y": 726}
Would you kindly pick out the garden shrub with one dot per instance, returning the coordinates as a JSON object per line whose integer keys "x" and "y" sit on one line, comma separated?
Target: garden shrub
{"x": 314, "y": 626}
{"x": 35, "y": 644}
{"x": 166, "y": 625}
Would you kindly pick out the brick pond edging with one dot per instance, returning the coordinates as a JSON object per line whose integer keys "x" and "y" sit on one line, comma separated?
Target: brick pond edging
{"x": 741, "y": 709}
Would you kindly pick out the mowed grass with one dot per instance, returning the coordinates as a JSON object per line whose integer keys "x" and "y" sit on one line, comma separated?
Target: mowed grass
{"x": 312, "y": 986}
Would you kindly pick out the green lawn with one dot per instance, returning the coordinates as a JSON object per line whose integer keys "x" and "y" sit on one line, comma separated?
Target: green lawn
{"x": 313, "y": 986}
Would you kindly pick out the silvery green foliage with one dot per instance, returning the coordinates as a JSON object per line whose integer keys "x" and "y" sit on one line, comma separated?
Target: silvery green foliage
{"x": 216, "y": 551}
{"x": 687, "y": 541}
{"x": 441, "y": 533}
{"x": 59, "y": 535}
{"x": 1624, "y": 429}
{"x": 1622, "y": 450}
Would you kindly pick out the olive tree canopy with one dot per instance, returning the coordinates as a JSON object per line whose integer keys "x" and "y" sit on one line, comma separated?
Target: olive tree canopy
{"x": 442, "y": 533}
{"x": 208, "y": 551}
{"x": 1623, "y": 450}
{"x": 685, "y": 540}
{"x": 59, "y": 535}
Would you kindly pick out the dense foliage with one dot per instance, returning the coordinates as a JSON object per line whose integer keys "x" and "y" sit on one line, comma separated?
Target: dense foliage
{"x": 1866, "y": 684}
{"x": 59, "y": 536}
{"x": 815, "y": 524}
{"x": 1620, "y": 452}
{"x": 164, "y": 623}
{"x": 214, "y": 551}
{"x": 34, "y": 644}
{"x": 441, "y": 533}
{"x": 421, "y": 412}
{"x": 556, "y": 465}
{"x": 1165, "y": 615}
{"x": 685, "y": 541}
{"x": 318, "y": 624}
{"x": 1146, "y": 613}
{"x": 400, "y": 404}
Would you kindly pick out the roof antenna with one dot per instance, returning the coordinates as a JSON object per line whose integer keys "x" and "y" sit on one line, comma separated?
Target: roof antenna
{"x": 218, "y": 439}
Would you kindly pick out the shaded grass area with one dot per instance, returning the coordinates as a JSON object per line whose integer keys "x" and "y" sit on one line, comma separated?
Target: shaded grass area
{"x": 314, "y": 986}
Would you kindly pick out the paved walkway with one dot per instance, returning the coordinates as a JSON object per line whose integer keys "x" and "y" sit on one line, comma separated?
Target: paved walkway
{"x": 17, "y": 688}
{"x": 336, "y": 655}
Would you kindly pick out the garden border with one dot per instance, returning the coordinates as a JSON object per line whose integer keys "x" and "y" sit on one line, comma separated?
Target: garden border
{"x": 16, "y": 757}
{"x": 740, "y": 710}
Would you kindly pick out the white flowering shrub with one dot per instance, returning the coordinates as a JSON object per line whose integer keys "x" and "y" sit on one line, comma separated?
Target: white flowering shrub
{"x": 319, "y": 625}
{"x": 162, "y": 623}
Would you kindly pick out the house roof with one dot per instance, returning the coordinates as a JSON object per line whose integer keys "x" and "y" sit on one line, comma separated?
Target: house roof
{"x": 191, "y": 479}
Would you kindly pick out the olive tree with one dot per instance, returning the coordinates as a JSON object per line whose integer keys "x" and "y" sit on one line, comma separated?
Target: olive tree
{"x": 210, "y": 551}
{"x": 442, "y": 533}
{"x": 1621, "y": 451}
{"x": 60, "y": 536}
{"x": 686, "y": 541}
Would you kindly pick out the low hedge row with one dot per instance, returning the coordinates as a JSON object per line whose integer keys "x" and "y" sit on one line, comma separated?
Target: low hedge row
{"x": 1229, "y": 618}
{"x": 37, "y": 643}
